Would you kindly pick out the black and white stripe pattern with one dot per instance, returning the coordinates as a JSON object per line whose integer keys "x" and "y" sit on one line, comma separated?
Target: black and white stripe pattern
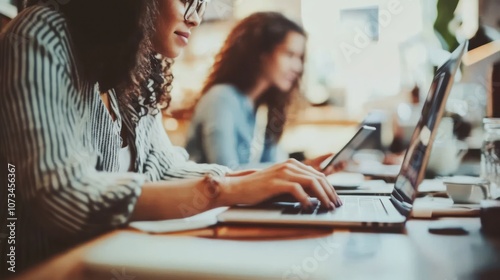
{"x": 64, "y": 144}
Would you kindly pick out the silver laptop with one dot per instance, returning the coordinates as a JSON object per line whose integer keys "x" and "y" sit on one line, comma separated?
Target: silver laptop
{"x": 370, "y": 211}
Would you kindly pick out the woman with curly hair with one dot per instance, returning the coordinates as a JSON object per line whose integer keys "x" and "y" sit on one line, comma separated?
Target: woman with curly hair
{"x": 259, "y": 67}
{"x": 83, "y": 145}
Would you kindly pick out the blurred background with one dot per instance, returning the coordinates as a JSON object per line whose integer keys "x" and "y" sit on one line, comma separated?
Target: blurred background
{"x": 367, "y": 60}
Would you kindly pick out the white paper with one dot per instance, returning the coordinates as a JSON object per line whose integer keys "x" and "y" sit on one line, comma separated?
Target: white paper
{"x": 429, "y": 186}
{"x": 202, "y": 220}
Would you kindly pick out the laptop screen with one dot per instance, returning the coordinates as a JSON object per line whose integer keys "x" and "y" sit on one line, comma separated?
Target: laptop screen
{"x": 415, "y": 161}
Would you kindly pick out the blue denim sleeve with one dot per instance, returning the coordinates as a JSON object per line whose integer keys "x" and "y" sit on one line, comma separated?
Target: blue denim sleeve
{"x": 270, "y": 152}
{"x": 219, "y": 129}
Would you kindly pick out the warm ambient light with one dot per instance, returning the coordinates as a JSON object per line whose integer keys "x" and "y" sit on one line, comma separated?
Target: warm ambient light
{"x": 345, "y": 38}
{"x": 481, "y": 53}
{"x": 171, "y": 124}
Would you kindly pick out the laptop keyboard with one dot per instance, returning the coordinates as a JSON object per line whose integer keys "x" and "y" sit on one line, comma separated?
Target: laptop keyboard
{"x": 296, "y": 209}
{"x": 353, "y": 206}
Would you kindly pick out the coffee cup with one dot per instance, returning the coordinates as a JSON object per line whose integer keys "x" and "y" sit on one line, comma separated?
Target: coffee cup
{"x": 447, "y": 151}
{"x": 446, "y": 156}
{"x": 464, "y": 189}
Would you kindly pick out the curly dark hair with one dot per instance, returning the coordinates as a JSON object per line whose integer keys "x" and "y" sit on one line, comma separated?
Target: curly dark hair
{"x": 114, "y": 48}
{"x": 238, "y": 63}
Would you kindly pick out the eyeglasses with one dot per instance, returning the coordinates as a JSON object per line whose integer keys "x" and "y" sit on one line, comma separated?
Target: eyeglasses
{"x": 192, "y": 6}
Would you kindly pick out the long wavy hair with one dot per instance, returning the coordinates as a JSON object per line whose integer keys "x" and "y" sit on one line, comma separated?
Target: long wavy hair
{"x": 239, "y": 63}
{"x": 113, "y": 46}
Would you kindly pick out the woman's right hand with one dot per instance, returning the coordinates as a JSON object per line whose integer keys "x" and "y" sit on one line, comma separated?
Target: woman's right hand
{"x": 290, "y": 177}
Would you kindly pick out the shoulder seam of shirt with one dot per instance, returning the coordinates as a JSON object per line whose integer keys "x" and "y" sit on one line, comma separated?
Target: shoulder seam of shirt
{"x": 224, "y": 93}
{"x": 47, "y": 26}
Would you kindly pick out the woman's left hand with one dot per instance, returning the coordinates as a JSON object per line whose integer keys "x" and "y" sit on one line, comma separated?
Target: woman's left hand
{"x": 316, "y": 163}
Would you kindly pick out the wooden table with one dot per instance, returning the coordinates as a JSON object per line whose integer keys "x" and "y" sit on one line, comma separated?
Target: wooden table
{"x": 413, "y": 254}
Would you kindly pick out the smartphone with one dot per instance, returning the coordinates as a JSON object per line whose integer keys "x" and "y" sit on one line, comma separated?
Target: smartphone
{"x": 348, "y": 150}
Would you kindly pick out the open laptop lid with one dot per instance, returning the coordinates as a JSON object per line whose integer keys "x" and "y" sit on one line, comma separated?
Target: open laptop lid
{"x": 417, "y": 155}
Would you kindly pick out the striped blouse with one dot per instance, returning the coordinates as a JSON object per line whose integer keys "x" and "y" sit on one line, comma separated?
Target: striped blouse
{"x": 64, "y": 145}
